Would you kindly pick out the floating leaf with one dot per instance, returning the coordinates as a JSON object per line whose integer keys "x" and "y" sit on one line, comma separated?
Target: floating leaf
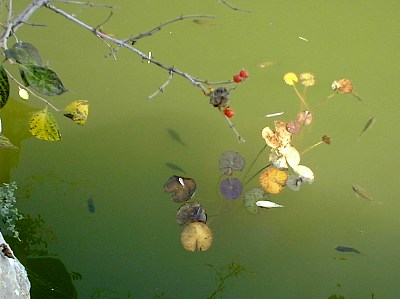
{"x": 24, "y": 53}
{"x": 196, "y": 235}
{"x": 181, "y": 188}
{"x": 267, "y": 204}
{"x": 272, "y": 180}
{"x": 326, "y": 139}
{"x": 231, "y": 188}
{"x": 42, "y": 79}
{"x": 251, "y": 197}
{"x": 307, "y": 79}
{"x": 6, "y": 143}
{"x": 43, "y": 125}
{"x": 294, "y": 182}
{"x": 23, "y": 94}
{"x": 77, "y": 111}
{"x": 343, "y": 86}
{"x": 191, "y": 212}
{"x": 304, "y": 173}
{"x": 4, "y": 87}
{"x": 290, "y": 78}
{"x": 230, "y": 161}
{"x": 291, "y": 155}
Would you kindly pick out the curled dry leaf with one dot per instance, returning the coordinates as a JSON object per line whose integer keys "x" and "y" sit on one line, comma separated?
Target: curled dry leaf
{"x": 343, "y": 86}
{"x": 196, "y": 235}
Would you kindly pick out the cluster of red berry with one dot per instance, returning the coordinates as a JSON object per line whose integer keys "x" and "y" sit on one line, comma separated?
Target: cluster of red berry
{"x": 243, "y": 75}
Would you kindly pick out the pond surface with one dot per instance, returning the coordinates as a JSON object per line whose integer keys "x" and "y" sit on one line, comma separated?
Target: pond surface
{"x": 100, "y": 190}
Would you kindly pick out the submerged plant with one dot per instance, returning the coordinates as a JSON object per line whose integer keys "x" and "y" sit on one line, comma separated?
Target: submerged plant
{"x": 9, "y": 214}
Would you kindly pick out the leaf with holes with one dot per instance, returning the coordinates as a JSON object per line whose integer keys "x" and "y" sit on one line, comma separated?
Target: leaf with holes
{"x": 42, "y": 79}
{"x": 4, "y": 87}
{"x": 77, "y": 111}
{"x": 43, "y": 125}
{"x": 24, "y": 53}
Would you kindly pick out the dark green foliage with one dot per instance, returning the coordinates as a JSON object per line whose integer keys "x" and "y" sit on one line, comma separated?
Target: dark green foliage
{"x": 4, "y": 87}
{"x": 33, "y": 74}
{"x": 42, "y": 79}
{"x": 24, "y": 53}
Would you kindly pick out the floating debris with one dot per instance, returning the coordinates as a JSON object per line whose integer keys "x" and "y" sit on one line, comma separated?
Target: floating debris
{"x": 272, "y": 180}
{"x": 173, "y": 166}
{"x": 267, "y": 204}
{"x": 274, "y": 114}
{"x": 251, "y": 197}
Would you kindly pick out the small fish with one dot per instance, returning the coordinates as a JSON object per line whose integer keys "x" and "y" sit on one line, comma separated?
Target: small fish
{"x": 369, "y": 123}
{"x": 346, "y": 249}
{"x": 174, "y": 135}
{"x": 174, "y": 167}
{"x": 361, "y": 192}
{"x": 274, "y": 114}
{"x": 205, "y": 23}
{"x": 90, "y": 205}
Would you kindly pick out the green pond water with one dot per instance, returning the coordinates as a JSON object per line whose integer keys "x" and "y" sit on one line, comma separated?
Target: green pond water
{"x": 130, "y": 245}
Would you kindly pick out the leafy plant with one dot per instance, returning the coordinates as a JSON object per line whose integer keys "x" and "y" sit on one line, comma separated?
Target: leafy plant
{"x": 9, "y": 214}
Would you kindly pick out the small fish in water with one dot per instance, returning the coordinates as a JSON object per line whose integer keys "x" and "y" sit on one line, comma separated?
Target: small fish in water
{"x": 174, "y": 135}
{"x": 346, "y": 249}
{"x": 370, "y": 122}
{"x": 205, "y": 23}
{"x": 361, "y": 192}
{"x": 90, "y": 205}
{"x": 174, "y": 167}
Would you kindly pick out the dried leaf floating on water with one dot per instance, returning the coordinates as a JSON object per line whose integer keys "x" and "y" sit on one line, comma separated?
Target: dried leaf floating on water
{"x": 181, "y": 188}
{"x": 291, "y": 155}
{"x": 304, "y": 173}
{"x": 230, "y": 161}
{"x": 272, "y": 180}
{"x": 343, "y": 86}
{"x": 231, "y": 188}
{"x": 191, "y": 212}
{"x": 196, "y": 235}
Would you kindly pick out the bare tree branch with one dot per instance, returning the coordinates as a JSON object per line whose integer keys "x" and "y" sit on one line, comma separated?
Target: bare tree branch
{"x": 233, "y": 7}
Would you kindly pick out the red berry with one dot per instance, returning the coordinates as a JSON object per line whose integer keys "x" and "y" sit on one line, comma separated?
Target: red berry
{"x": 244, "y": 74}
{"x": 229, "y": 112}
{"x": 237, "y": 78}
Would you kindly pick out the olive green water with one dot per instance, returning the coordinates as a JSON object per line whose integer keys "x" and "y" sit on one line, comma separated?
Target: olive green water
{"x": 132, "y": 243}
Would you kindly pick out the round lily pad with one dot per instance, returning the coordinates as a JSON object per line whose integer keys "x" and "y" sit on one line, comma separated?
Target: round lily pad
{"x": 196, "y": 235}
{"x": 251, "y": 197}
{"x": 230, "y": 161}
{"x": 231, "y": 188}
{"x": 181, "y": 188}
{"x": 191, "y": 212}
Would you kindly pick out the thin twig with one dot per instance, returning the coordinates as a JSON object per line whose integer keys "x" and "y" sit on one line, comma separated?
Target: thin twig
{"x": 232, "y": 126}
{"x": 162, "y": 87}
{"x": 83, "y": 3}
{"x": 159, "y": 27}
{"x": 233, "y": 7}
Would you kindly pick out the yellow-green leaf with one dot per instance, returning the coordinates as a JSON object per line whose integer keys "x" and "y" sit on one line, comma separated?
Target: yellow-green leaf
{"x": 43, "y": 125}
{"x": 77, "y": 111}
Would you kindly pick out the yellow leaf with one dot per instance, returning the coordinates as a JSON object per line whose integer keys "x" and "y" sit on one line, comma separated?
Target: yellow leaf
{"x": 43, "y": 125}
{"x": 77, "y": 111}
{"x": 307, "y": 79}
{"x": 290, "y": 78}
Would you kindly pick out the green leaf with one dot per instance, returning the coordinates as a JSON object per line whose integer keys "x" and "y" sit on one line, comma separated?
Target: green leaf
{"x": 6, "y": 143}
{"x": 24, "y": 53}
{"x": 4, "y": 87}
{"x": 42, "y": 79}
{"x": 43, "y": 125}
